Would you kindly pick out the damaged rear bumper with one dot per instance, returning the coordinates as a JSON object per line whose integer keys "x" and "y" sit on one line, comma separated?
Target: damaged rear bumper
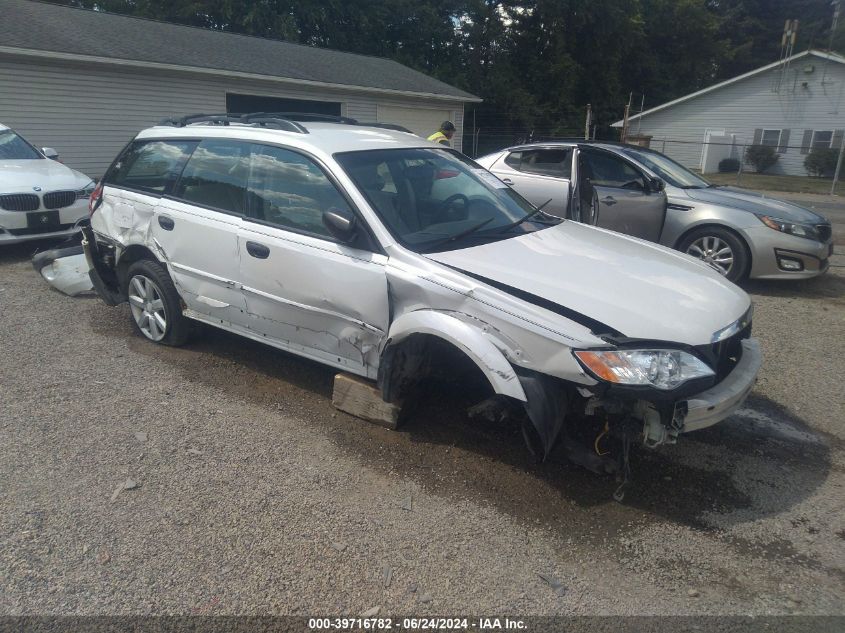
{"x": 714, "y": 405}
{"x": 102, "y": 277}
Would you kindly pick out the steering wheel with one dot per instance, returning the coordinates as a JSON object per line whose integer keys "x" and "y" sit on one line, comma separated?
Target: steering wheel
{"x": 448, "y": 208}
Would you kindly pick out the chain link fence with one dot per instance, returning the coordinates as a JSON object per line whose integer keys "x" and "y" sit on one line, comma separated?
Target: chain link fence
{"x": 727, "y": 159}
{"x": 724, "y": 159}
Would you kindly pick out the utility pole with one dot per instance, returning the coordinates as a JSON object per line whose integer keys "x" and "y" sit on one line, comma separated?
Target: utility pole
{"x": 588, "y": 122}
{"x": 624, "y": 138}
{"x": 640, "y": 118}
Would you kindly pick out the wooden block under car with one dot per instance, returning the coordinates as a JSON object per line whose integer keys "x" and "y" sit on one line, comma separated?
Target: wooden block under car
{"x": 361, "y": 398}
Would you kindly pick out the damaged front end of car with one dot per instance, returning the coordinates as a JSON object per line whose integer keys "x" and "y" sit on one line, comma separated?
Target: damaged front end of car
{"x": 572, "y": 382}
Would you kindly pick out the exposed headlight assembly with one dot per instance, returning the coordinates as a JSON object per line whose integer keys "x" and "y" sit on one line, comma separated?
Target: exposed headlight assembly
{"x": 791, "y": 228}
{"x": 661, "y": 368}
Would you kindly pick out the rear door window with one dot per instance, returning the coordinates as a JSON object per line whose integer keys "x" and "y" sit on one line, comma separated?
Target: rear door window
{"x": 544, "y": 162}
{"x": 150, "y": 166}
{"x": 216, "y": 176}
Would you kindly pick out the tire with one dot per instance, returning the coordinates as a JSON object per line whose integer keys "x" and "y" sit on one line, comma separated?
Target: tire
{"x": 722, "y": 248}
{"x": 154, "y": 305}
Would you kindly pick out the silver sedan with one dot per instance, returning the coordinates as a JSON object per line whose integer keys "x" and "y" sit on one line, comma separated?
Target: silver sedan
{"x": 643, "y": 193}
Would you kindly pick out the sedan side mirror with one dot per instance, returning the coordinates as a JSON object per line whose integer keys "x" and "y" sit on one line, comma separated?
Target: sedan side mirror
{"x": 50, "y": 153}
{"x": 656, "y": 185}
{"x": 340, "y": 223}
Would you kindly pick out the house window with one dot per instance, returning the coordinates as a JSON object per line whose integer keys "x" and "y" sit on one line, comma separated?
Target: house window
{"x": 822, "y": 139}
{"x": 771, "y": 137}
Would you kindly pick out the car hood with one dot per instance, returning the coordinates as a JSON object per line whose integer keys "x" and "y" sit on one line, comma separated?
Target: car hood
{"x": 755, "y": 203}
{"x": 637, "y": 288}
{"x": 19, "y": 176}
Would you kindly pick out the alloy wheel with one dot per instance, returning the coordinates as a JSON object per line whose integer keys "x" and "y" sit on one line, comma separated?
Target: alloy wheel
{"x": 147, "y": 307}
{"x": 714, "y": 251}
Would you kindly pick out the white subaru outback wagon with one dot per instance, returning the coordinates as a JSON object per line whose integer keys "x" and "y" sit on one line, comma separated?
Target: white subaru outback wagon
{"x": 371, "y": 250}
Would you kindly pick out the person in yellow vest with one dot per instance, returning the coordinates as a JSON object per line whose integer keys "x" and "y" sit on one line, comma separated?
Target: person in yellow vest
{"x": 444, "y": 134}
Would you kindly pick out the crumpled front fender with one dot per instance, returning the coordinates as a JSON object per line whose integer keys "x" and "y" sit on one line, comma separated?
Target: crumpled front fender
{"x": 469, "y": 338}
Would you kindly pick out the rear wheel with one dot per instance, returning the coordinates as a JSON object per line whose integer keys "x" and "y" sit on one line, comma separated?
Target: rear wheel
{"x": 720, "y": 248}
{"x": 155, "y": 305}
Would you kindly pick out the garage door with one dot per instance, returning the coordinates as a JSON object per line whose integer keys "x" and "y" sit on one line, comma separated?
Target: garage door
{"x": 421, "y": 121}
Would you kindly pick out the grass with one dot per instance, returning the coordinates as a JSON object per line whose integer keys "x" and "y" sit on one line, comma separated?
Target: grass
{"x": 769, "y": 182}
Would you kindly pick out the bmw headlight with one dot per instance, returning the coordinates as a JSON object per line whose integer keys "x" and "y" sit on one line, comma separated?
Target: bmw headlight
{"x": 784, "y": 226}
{"x": 84, "y": 194}
{"x": 661, "y": 368}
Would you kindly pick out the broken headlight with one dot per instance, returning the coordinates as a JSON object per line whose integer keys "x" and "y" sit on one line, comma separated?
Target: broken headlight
{"x": 661, "y": 368}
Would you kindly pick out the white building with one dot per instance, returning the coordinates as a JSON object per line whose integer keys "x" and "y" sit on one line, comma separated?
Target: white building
{"x": 85, "y": 82}
{"x": 793, "y": 106}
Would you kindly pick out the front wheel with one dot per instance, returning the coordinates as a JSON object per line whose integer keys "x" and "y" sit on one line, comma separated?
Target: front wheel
{"x": 720, "y": 248}
{"x": 155, "y": 305}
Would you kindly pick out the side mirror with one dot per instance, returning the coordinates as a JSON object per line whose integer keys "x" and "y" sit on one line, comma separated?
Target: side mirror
{"x": 50, "y": 153}
{"x": 656, "y": 185}
{"x": 340, "y": 223}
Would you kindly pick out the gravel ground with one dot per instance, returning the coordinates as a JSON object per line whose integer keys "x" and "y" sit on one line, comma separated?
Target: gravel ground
{"x": 250, "y": 494}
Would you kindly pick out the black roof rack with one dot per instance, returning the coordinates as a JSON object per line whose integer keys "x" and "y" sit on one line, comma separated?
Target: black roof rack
{"x": 261, "y": 119}
{"x": 287, "y": 121}
{"x": 310, "y": 116}
{"x": 388, "y": 126}
{"x": 222, "y": 119}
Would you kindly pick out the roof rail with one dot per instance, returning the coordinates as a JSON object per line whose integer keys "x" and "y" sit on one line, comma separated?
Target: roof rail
{"x": 388, "y": 126}
{"x": 261, "y": 119}
{"x": 287, "y": 121}
{"x": 310, "y": 116}
{"x": 222, "y": 119}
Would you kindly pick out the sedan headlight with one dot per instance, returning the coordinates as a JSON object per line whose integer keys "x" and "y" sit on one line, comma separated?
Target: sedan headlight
{"x": 661, "y": 368}
{"x": 799, "y": 230}
{"x": 84, "y": 194}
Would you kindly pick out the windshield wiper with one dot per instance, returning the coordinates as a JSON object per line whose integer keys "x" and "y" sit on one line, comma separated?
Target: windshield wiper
{"x": 528, "y": 216}
{"x": 457, "y": 236}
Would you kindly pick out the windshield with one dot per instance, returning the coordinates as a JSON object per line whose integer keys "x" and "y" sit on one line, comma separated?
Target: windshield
{"x": 670, "y": 171}
{"x": 436, "y": 199}
{"x": 13, "y": 147}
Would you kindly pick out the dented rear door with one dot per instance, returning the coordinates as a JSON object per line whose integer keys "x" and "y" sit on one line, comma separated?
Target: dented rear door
{"x": 196, "y": 228}
{"x": 302, "y": 289}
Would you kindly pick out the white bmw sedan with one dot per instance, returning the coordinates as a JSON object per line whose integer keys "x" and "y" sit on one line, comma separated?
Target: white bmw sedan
{"x": 39, "y": 197}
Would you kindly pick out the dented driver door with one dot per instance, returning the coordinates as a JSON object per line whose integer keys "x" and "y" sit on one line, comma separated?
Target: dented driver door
{"x": 304, "y": 291}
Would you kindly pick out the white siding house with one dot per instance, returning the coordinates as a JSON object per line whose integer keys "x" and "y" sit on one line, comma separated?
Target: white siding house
{"x": 91, "y": 80}
{"x": 793, "y": 106}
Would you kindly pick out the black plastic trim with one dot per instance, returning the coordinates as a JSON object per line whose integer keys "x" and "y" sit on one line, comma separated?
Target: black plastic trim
{"x": 596, "y": 327}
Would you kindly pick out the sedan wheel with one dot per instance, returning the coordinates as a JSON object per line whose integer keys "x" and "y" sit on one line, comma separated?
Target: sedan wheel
{"x": 719, "y": 247}
{"x": 148, "y": 310}
{"x": 713, "y": 251}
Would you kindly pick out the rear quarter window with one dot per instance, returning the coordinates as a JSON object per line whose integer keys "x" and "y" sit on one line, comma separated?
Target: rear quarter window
{"x": 150, "y": 166}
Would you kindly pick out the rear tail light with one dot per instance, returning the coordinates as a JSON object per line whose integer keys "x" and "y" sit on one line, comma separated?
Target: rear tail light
{"x": 96, "y": 199}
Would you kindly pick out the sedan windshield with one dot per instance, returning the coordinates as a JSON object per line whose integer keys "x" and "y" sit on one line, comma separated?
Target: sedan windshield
{"x": 437, "y": 200}
{"x": 670, "y": 171}
{"x": 13, "y": 147}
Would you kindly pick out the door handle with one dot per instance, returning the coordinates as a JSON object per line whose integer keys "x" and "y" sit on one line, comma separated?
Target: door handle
{"x": 609, "y": 200}
{"x": 166, "y": 223}
{"x": 257, "y": 250}
{"x": 507, "y": 181}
